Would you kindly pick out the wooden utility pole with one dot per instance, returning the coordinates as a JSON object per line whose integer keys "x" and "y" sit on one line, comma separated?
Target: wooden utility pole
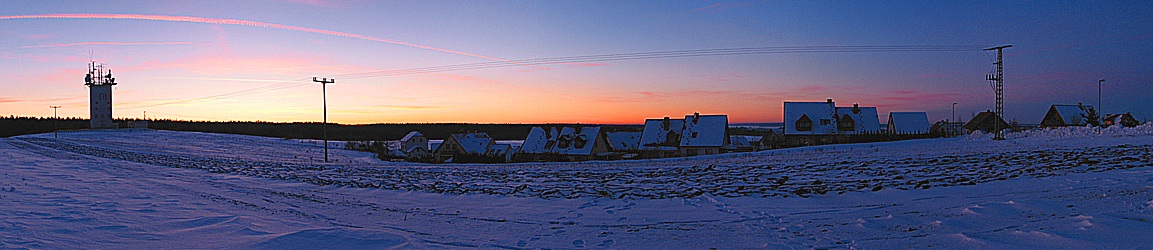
{"x": 324, "y": 126}
{"x": 999, "y": 79}
{"x": 55, "y": 118}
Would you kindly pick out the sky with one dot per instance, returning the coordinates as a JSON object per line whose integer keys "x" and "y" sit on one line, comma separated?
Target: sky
{"x": 253, "y": 60}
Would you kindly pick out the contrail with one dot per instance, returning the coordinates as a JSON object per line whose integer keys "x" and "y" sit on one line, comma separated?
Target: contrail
{"x": 110, "y": 43}
{"x": 254, "y": 24}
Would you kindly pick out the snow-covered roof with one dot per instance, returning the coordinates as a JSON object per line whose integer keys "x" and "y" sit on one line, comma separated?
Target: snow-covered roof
{"x": 499, "y": 150}
{"x": 411, "y": 135}
{"x": 819, "y": 113}
{"x": 537, "y": 140}
{"x": 705, "y": 131}
{"x": 473, "y": 143}
{"x": 623, "y": 141}
{"x": 576, "y": 140}
{"x": 865, "y": 119}
{"x": 739, "y": 141}
{"x": 1072, "y": 115}
{"x": 656, "y": 134}
{"x": 908, "y": 122}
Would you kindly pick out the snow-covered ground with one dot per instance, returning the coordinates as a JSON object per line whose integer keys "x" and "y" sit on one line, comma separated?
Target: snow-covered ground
{"x": 1065, "y": 188}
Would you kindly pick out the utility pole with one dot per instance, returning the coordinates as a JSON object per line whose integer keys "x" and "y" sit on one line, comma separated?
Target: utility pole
{"x": 324, "y": 95}
{"x": 1000, "y": 89}
{"x": 1100, "y": 109}
{"x": 953, "y": 128}
{"x": 55, "y": 118}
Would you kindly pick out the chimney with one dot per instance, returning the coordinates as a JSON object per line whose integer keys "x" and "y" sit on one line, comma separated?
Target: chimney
{"x": 856, "y": 108}
{"x": 830, "y": 100}
{"x": 665, "y": 124}
{"x": 696, "y": 116}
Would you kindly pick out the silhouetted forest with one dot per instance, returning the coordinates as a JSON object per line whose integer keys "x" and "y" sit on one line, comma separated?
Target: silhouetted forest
{"x": 12, "y": 126}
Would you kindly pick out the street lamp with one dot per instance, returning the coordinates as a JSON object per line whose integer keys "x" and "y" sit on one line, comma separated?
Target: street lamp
{"x": 1100, "y": 110}
{"x": 952, "y": 128}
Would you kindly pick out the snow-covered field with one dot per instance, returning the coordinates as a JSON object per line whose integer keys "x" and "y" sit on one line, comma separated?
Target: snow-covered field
{"x": 1065, "y": 188}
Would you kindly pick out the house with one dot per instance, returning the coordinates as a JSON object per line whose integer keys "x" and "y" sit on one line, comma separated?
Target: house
{"x": 580, "y": 143}
{"x": 623, "y": 141}
{"x": 414, "y": 146}
{"x": 568, "y": 144}
{"x": 502, "y": 152}
{"x": 1125, "y": 120}
{"x": 1066, "y": 115}
{"x": 661, "y": 137}
{"x": 810, "y": 118}
{"x": 986, "y": 121}
{"x": 740, "y": 144}
{"x": 539, "y": 141}
{"x": 857, "y": 120}
{"x": 704, "y": 134}
{"x": 908, "y": 123}
{"x": 474, "y": 144}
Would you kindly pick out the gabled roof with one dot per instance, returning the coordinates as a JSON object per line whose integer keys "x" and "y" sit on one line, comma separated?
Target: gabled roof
{"x": 986, "y": 121}
{"x": 623, "y": 141}
{"x": 865, "y": 118}
{"x": 499, "y": 150}
{"x": 656, "y": 133}
{"x": 815, "y": 111}
{"x": 908, "y": 122}
{"x": 705, "y": 131}
{"x": 572, "y": 141}
{"x": 537, "y": 140}
{"x": 737, "y": 141}
{"x": 473, "y": 143}
{"x": 1072, "y": 115}
{"x": 411, "y": 135}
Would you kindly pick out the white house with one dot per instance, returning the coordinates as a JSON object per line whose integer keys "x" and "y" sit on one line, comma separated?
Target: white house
{"x": 661, "y": 137}
{"x": 539, "y": 141}
{"x": 414, "y": 145}
{"x": 704, "y": 134}
{"x": 810, "y": 118}
{"x": 571, "y": 143}
{"x": 857, "y": 120}
{"x": 580, "y": 143}
{"x": 1066, "y": 115}
{"x": 908, "y": 123}
{"x": 623, "y": 141}
{"x": 463, "y": 144}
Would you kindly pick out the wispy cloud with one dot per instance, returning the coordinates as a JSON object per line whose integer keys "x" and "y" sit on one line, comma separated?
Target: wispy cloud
{"x": 110, "y": 43}
{"x": 192, "y": 19}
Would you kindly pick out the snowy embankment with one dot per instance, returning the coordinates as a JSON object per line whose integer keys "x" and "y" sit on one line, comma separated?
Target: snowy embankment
{"x": 1072, "y": 187}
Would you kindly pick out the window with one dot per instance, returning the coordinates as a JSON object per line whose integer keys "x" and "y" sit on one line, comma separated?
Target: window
{"x": 826, "y": 122}
{"x": 804, "y": 124}
{"x": 846, "y": 123}
{"x": 694, "y": 134}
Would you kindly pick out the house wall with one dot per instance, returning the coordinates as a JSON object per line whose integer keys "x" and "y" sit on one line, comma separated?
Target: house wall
{"x": 100, "y": 106}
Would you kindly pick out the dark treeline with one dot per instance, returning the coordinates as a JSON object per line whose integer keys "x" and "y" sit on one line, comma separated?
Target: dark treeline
{"x": 12, "y": 126}
{"x": 369, "y": 132}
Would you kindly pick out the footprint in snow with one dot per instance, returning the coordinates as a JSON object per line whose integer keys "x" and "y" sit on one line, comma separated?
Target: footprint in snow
{"x": 578, "y": 243}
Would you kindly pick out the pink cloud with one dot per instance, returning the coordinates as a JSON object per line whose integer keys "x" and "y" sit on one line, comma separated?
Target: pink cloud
{"x": 321, "y": 3}
{"x": 256, "y": 24}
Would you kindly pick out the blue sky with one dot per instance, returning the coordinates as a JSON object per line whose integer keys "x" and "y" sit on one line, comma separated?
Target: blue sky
{"x": 1060, "y": 51}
